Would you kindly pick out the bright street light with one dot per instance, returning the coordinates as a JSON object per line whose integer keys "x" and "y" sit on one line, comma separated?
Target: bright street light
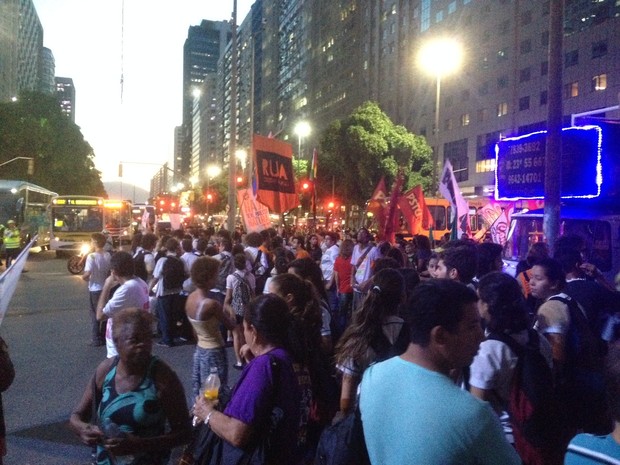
{"x": 302, "y": 130}
{"x": 213, "y": 171}
{"x": 439, "y": 58}
{"x": 242, "y": 156}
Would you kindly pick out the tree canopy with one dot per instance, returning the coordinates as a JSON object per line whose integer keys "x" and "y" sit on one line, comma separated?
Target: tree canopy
{"x": 34, "y": 126}
{"x": 358, "y": 150}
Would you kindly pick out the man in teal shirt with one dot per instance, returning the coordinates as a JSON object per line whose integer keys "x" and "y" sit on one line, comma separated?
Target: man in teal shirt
{"x": 412, "y": 411}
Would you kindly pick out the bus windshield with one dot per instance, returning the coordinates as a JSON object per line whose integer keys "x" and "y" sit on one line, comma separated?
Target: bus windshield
{"x": 77, "y": 218}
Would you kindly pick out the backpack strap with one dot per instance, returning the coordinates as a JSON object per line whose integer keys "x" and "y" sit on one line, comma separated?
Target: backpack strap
{"x": 363, "y": 256}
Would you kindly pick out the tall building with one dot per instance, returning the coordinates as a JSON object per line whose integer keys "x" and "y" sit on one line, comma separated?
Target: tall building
{"x": 47, "y": 84}
{"x": 203, "y": 47}
{"x": 65, "y": 93}
{"x": 21, "y": 44}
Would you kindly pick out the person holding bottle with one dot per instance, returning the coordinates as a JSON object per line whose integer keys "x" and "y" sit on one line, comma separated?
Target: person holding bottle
{"x": 141, "y": 408}
{"x": 272, "y": 396}
{"x": 205, "y": 315}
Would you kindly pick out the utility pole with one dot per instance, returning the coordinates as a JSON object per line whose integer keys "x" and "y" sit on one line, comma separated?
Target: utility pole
{"x": 232, "y": 146}
{"x": 553, "y": 155}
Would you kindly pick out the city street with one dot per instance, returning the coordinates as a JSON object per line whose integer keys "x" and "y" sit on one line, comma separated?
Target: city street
{"x": 47, "y": 330}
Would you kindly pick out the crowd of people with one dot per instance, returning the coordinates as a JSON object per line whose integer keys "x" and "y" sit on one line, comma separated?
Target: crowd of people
{"x": 428, "y": 346}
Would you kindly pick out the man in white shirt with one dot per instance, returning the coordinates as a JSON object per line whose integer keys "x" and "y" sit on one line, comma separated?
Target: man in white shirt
{"x": 327, "y": 268}
{"x": 132, "y": 293}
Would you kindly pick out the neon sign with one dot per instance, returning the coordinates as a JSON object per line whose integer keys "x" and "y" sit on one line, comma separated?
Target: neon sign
{"x": 520, "y": 164}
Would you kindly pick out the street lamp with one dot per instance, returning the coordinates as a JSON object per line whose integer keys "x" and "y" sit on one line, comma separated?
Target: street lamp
{"x": 439, "y": 58}
{"x": 302, "y": 130}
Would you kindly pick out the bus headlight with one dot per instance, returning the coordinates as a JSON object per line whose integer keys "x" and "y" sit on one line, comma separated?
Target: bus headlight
{"x": 84, "y": 249}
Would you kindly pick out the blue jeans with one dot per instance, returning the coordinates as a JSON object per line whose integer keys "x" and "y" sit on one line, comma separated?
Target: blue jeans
{"x": 204, "y": 360}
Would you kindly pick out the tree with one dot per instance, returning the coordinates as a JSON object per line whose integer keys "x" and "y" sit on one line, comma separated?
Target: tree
{"x": 35, "y": 127}
{"x": 358, "y": 150}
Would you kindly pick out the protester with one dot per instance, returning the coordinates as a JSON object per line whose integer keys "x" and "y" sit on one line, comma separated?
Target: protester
{"x": 308, "y": 270}
{"x": 588, "y": 449}
{"x": 327, "y": 262}
{"x": 96, "y": 270}
{"x": 577, "y": 351}
{"x": 7, "y": 374}
{"x": 375, "y": 334}
{"x": 239, "y": 292}
{"x": 272, "y": 396}
{"x": 140, "y": 403}
{"x": 313, "y": 247}
{"x": 364, "y": 255}
{"x": 505, "y": 314}
{"x": 342, "y": 277}
{"x": 132, "y": 293}
{"x": 168, "y": 278}
{"x": 458, "y": 262}
{"x": 205, "y": 315}
{"x": 410, "y": 407}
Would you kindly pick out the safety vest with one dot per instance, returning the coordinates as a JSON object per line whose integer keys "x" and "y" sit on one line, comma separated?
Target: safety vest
{"x": 12, "y": 238}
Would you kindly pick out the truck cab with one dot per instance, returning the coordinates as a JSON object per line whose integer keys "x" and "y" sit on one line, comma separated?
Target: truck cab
{"x": 598, "y": 226}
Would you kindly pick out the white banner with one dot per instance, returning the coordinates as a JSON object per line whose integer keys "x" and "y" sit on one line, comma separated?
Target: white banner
{"x": 449, "y": 188}
{"x": 9, "y": 279}
{"x": 255, "y": 215}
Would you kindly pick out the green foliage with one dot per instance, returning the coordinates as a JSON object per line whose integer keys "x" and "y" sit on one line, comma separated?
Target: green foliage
{"x": 34, "y": 126}
{"x": 358, "y": 150}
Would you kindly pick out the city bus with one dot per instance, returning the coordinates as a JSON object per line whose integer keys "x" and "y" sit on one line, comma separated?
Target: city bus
{"x": 26, "y": 204}
{"x": 74, "y": 219}
{"x": 118, "y": 220}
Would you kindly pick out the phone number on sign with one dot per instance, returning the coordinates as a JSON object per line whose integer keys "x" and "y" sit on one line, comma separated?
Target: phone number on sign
{"x": 525, "y": 178}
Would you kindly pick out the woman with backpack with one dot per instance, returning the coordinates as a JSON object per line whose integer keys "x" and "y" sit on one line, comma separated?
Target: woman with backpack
{"x": 239, "y": 291}
{"x": 491, "y": 374}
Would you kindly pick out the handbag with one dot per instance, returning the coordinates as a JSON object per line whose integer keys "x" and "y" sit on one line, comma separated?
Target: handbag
{"x": 207, "y": 448}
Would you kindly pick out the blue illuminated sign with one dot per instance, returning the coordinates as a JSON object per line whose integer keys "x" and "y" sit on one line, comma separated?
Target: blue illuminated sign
{"x": 520, "y": 164}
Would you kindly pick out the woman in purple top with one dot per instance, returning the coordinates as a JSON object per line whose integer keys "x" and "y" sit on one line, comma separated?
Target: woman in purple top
{"x": 272, "y": 391}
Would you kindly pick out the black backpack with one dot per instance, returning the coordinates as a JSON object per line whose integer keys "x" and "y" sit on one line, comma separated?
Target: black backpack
{"x": 343, "y": 443}
{"x": 173, "y": 273}
{"x": 227, "y": 266}
{"x": 532, "y": 406}
{"x": 139, "y": 265}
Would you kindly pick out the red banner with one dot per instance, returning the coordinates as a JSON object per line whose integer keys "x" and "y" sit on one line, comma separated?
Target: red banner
{"x": 377, "y": 203}
{"x": 273, "y": 161}
{"x": 391, "y": 223}
{"x": 413, "y": 206}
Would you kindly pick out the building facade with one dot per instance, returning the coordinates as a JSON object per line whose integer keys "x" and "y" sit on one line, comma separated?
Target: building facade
{"x": 65, "y": 93}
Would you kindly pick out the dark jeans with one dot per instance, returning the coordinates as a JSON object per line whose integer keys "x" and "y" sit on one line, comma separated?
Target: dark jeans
{"x": 166, "y": 312}
{"x": 11, "y": 254}
{"x": 97, "y": 328}
{"x": 345, "y": 306}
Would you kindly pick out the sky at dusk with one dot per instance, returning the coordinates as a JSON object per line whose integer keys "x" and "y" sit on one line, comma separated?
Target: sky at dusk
{"x": 88, "y": 41}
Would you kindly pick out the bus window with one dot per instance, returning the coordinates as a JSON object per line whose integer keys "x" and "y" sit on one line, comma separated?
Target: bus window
{"x": 438, "y": 213}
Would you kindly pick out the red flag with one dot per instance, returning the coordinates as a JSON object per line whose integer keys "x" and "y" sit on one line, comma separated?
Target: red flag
{"x": 273, "y": 162}
{"x": 391, "y": 221}
{"x": 413, "y": 206}
{"x": 376, "y": 205}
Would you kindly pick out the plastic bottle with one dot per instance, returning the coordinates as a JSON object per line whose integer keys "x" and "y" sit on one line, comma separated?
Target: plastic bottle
{"x": 211, "y": 386}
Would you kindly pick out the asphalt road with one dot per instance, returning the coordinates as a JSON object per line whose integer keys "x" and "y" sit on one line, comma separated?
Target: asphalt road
{"x": 47, "y": 330}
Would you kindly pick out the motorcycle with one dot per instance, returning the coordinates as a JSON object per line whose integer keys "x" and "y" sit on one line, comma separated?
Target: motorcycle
{"x": 76, "y": 263}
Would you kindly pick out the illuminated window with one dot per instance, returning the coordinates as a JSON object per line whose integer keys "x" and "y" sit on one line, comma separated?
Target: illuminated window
{"x": 502, "y": 109}
{"x": 485, "y": 166}
{"x": 599, "y": 82}
{"x": 465, "y": 119}
{"x": 571, "y": 90}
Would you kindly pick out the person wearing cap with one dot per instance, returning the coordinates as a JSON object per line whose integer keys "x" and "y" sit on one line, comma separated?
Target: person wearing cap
{"x": 12, "y": 242}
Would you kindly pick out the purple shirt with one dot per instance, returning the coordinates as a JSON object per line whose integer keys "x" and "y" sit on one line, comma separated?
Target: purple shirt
{"x": 253, "y": 401}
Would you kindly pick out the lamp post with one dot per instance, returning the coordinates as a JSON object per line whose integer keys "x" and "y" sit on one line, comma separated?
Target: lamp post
{"x": 302, "y": 130}
{"x": 439, "y": 58}
{"x": 212, "y": 172}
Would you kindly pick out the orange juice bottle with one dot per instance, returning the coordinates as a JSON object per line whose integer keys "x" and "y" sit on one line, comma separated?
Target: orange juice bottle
{"x": 212, "y": 385}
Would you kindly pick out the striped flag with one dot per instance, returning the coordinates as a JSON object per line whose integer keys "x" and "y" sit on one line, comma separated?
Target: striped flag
{"x": 313, "y": 165}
